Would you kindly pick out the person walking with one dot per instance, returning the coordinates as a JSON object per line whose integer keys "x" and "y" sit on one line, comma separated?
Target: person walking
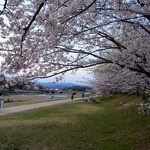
{"x": 83, "y": 96}
{"x": 72, "y": 96}
{"x": 1, "y": 101}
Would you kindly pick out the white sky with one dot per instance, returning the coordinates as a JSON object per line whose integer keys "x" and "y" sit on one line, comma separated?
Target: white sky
{"x": 80, "y": 77}
{"x": 1, "y": 4}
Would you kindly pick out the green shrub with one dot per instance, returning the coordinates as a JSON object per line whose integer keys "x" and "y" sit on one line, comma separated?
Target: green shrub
{"x": 8, "y": 101}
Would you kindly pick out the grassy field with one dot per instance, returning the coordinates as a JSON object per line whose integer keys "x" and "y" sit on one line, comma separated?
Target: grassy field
{"x": 110, "y": 124}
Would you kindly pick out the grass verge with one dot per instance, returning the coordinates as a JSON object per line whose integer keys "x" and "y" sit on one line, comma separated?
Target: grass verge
{"x": 108, "y": 125}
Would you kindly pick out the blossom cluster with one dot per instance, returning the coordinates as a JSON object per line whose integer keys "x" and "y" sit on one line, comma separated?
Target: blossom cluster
{"x": 144, "y": 107}
{"x": 47, "y": 38}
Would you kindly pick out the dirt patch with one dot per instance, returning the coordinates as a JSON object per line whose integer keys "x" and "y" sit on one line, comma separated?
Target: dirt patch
{"x": 124, "y": 102}
{"x": 130, "y": 102}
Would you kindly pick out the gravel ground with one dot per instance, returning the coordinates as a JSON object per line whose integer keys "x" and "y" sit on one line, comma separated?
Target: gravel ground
{"x": 15, "y": 109}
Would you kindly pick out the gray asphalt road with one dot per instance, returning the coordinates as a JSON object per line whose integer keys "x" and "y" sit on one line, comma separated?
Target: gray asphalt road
{"x": 15, "y": 109}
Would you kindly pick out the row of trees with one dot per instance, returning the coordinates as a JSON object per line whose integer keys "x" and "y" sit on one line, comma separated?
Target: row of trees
{"x": 47, "y": 38}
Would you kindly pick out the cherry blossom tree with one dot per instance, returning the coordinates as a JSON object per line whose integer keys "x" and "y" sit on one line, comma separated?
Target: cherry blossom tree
{"x": 110, "y": 79}
{"x": 47, "y": 38}
{"x": 2, "y": 81}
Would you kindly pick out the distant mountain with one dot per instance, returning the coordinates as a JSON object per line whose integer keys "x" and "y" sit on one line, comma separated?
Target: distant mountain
{"x": 60, "y": 85}
{"x": 54, "y": 85}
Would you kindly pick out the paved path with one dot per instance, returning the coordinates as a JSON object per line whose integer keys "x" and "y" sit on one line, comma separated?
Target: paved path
{"x": 15, "y": 109}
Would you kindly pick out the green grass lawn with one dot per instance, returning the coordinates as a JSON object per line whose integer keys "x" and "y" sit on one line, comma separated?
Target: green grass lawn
{"x": 105, "y": 125}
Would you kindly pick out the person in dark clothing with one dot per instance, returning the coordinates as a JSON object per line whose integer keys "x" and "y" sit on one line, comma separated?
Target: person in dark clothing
{"x": 72, "y": 96}
{"x": 82, "y": 95}
{"x": 1, "y": 101}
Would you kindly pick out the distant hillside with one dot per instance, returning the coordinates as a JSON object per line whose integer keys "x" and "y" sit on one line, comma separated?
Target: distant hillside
{"x": 60, "y": 85}
{"x": 56, "y": 85}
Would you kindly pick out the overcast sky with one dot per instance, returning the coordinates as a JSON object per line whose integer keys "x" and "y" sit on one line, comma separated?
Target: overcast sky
{"x": 80, "y": 77}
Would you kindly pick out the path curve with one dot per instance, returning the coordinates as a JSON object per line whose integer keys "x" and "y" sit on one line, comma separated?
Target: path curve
{"x": 15, "y": 109}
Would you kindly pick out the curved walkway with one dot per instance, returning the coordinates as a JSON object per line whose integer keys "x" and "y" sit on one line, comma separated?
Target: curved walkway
{"x": 15, "y": 109}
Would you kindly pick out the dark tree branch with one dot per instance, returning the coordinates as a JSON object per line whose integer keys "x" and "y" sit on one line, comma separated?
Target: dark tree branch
{"x": 63, "y": 4}
{"x": 5, "y": 4}
{"x": 147, "y": 16}
{"x": 66, "y": 70}
{"x": 30, "y": 23}
{"x": 88, "y": 53}
{"x": 32, "y": 20}
{"x": 80, "y": 12}
{"x": 139, "y": 68}
{"x": 130, "y": 22}
{"x": 111, "y": 39}
{"x": 73, "y": 67}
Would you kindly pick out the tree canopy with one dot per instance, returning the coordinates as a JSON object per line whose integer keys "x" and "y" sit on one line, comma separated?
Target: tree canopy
{"x": 47, "y": 38}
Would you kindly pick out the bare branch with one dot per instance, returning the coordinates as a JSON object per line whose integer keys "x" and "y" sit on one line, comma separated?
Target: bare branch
{"x": 137, "y": 23}
{"x": 30, "y": 23}
{"x": 5, "y": 4}
{"x": 80, "y": 12}
{"x": 142, "y": 5}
